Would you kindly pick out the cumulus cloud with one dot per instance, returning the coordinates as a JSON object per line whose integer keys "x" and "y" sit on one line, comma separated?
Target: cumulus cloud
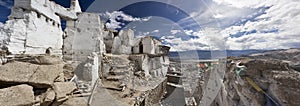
{"x": 207, "y": 39}
{"x": 1, "y": 25}
{"x": 241, "y": 3}
{"x": 119, "y": 15}
{"x": 155, "y": 31}
{"x": 175, "y": 31}
{"x": 6, "y": 3}
{"x": 246, "y": 24}
{"x": 276, "y": 29}
{"x": 188, "y": 32}
{"x": 234, "y": 24}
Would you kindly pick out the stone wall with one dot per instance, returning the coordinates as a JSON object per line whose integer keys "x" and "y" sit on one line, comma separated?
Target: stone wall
{"x": 33, "y": 33}
{"x": 155, "y": 95}
{"x": 123, "y": 42}
{"x": 151, "y": 66}
{"x": 48, "y": 8}
{"x": 83, "y": 36}
{"x": 35, "y": 26}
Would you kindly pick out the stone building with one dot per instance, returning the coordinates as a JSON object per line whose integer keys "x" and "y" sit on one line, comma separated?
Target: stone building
{"x": 35, "y": 26}
{"x": 53, "y": 67}
{"x": 123, "y": 42}
{"x": 83, "y": 36}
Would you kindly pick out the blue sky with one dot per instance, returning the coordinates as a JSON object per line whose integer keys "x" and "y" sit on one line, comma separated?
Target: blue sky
{"x": 200, "y": 24}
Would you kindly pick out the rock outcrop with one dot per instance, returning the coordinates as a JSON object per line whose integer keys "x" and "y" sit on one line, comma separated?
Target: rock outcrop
{"x": 17, "y": 95}
{"x": 40, "y": 76}
{"x": 290, "y": 56}
{"x": 274, "y": 77}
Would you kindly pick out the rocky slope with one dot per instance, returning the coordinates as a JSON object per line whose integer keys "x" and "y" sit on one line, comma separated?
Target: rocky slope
{"x": 291, "y": 56}
{"x": 271, "y": 71}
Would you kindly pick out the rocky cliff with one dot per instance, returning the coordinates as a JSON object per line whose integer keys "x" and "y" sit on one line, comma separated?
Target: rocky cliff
{"x": 271, "y": 71}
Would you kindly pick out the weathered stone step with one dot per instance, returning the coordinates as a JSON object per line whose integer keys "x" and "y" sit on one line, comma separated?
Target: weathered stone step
{"x": 115, "y": 77}
{"x": 175, "y": 72}
{"x": 120, "y": 66}
{"x": 174, "y": 85}
{"x": 171, "y": 75}
{"x": 174, "y": 79}
{"x": 113, "y": 88}
{"x": 118, "y": 72}
{"x": 117, "y": 59}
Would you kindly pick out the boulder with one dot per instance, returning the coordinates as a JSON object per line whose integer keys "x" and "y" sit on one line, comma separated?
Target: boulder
{"x": 48, "y": 97}
{"x": 79, "y": 101}
{"x": 39, "y": 76}
{"x": 48, "y": 60}
{"x": 68, "y": 71}
{"x": 62, "y": 89}
{"x": 20, "y": 95}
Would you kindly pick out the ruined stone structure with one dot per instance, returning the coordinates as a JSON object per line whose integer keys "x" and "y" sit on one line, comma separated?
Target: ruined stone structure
{"x": 87, "y": 27}
{"x": 35, "y": 26}
{"x": 77, "y": 66}
{"x": 123, "y": 42}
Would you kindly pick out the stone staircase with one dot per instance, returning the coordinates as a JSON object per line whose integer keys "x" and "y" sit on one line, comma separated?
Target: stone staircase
{"x": 119, "y": 72}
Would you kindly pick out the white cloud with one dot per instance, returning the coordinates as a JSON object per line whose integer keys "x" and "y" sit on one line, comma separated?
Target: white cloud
{"x": 7, "y": 4}
{"x": 155, "y": 31}
{"x": 175, "y": 31}
{"x": 241, "y": 3}
{"x": 208, "y": 39}
{"x": 1, "y": 25}
{"x": 118, "y": 15}
{"x": 274, "y": 27}
{"x": 146, "y": 33}
{"x": 274, "y": 22}
{"x": 218, "y": 16}
{"x": 188, "y": 32}
{"x": 113, "y": 24}
{"x": 282, "y": 16}
{"x": 170, "y": 37}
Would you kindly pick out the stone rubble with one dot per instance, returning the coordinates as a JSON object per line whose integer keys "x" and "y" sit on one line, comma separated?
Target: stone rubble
{"x": 62, "y": 89}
